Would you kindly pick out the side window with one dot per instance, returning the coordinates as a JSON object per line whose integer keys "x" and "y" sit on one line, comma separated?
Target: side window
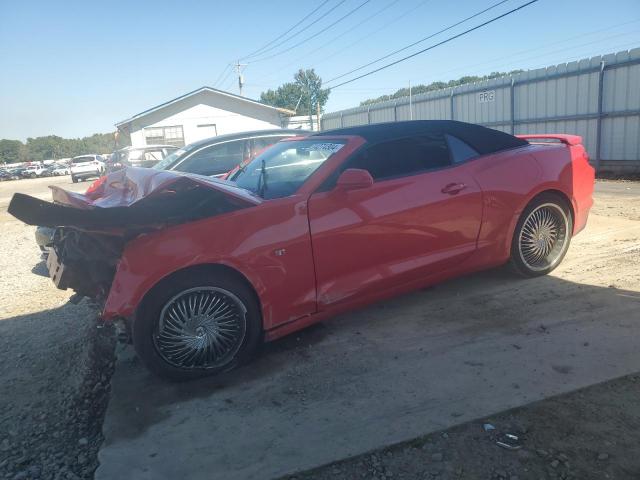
{"x": 214, "y": 160}
{"x": 460, "y": 151}
{"x": 402, "y": 157}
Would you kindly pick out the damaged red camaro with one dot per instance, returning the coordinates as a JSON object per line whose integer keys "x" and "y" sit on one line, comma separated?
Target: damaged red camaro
{"x": 202, "y": 270}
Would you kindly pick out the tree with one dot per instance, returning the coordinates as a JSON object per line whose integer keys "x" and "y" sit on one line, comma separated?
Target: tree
{"x": 53, "y": 147}
{"x": 304, "y": 94}
{"x": 10, "y": 151}
{"x": 286, "y": 96}
{"x": 404, "y": 92}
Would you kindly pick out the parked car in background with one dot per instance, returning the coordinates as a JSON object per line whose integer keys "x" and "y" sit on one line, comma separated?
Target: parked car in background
{"x": 61, "y": 170}
{"x": 33, "y": 171}
{"x": 15, "y": 173}
{"x": 219, "y": 155}
{"x": 138, "y": 156}
{"x": 201, "y": 270}
{"x": 86, "y": 166}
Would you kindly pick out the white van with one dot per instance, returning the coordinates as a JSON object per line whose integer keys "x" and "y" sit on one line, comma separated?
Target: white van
{"x": 86, "y": 166}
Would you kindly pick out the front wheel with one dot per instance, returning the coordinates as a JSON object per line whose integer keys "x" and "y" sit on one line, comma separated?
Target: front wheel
{"x": 74, "y": 179}
{"x": 197, "y": 325}
{"x": 542, "y": 236}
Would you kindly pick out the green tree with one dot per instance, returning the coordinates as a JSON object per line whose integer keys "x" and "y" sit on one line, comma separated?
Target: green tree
{"x": 10, "y": 151}
{"x": 404, "y": 92}
{"x": 304, "y": 94}
{"x": 285, "y": 96}
{"x": 53, "y": 147}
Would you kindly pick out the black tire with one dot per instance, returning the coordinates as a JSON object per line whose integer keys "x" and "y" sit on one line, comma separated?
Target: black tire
{"x": 74, "y": 179}
{"x": 560, "y": 216}
{"x": 146, "y": 326}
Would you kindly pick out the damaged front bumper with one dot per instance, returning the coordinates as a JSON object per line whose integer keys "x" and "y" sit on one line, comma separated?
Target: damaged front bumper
{"x": 93, "y": 229}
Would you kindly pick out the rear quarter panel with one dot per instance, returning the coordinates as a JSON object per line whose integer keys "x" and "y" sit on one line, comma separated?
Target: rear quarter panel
{"x": 509, "y": 181}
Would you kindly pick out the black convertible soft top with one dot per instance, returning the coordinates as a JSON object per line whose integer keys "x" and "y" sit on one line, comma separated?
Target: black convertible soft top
{"x": 482, "y": 139}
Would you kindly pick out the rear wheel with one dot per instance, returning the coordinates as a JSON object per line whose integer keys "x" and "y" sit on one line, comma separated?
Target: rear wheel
{"x": 197, "y": 325}
{"x": 542, "y": 236}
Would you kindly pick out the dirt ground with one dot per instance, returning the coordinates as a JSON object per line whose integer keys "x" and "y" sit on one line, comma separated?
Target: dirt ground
{"x": 590, "y": 434}
{"x": 55, "y": 368}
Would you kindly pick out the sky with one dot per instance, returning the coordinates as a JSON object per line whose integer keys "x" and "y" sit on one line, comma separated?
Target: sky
{"x": 74, "y": 68}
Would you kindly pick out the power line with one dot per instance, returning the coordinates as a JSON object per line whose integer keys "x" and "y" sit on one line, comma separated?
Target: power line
{"x": 377, "y": 30}
{"x": 364, "y": 37}
{"x": 221, "y": 74}
{"x": 349, "y": 30}
{"x": 419, "y": 41}
{"x": 436, "y": 45}
{"x": 440, "y": 74}
{"x": 315, "y": 34}
{"x": 226, "y": 76}
{"x": 324, "y": 15}
{"x": 261, "y": 49}
{"x": 499, "y": 62}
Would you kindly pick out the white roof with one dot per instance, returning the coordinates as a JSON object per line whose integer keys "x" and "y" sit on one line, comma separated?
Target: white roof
{"x": 200, "y": 90}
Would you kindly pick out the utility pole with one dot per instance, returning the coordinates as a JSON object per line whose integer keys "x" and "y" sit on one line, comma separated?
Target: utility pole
{"x": 318, "y": 115}
{"x": 310, "y": 105}
{"x": 239, "y": 67}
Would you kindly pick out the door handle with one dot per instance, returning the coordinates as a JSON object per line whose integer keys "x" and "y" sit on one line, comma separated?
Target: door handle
{"x": 453, "y": 188}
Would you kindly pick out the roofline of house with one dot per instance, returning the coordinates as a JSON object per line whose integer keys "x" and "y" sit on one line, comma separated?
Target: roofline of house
{"x": 203, "y": 89}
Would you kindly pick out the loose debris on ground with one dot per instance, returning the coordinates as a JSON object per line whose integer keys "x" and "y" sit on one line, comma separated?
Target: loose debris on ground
{"x": 592, "y": 433}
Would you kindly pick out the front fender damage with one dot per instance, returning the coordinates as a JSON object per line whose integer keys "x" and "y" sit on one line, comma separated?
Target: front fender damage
{"x": 93, "y": 229}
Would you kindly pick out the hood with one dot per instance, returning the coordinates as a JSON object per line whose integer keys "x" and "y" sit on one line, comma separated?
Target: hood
{"x": 131, "y": 198}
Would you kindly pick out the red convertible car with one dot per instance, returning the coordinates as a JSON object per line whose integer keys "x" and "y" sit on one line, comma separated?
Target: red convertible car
{"x": 201, "y": 270}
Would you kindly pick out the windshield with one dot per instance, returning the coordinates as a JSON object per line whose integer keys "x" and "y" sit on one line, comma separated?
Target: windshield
{"x": 170, "y": 159}
{"x": 283, "y": 168}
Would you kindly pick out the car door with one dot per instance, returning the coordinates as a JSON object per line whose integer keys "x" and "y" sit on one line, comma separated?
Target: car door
{"x": 213, "y": 160}
{"x": 421, "y": 216}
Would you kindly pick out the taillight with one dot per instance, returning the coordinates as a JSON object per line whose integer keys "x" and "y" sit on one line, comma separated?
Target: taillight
{"x": 95, "y": 191}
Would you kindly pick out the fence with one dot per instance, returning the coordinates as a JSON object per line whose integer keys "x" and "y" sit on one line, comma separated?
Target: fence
{"x": 597, "y": 98}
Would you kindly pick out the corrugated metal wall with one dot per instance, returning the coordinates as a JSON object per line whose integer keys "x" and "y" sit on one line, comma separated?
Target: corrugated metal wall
{"x": 597, "y": 98}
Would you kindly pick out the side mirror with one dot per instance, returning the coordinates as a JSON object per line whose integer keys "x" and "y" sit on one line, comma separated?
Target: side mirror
{"x": 354, "y": 179}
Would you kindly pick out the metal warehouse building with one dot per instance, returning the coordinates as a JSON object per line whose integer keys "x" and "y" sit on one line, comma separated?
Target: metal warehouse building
{"x": 597, "y": 98}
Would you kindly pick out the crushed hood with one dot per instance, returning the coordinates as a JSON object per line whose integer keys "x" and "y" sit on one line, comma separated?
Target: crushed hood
{"x": 134, "y": 197}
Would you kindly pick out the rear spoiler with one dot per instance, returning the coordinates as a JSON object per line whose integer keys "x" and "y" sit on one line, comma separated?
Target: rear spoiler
{"x": 566, "y": 139}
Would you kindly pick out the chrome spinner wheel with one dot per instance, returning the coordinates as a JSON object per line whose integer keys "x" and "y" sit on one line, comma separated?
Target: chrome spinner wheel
{"x": 201, "y": 328}
{"x": 543, "y": 237}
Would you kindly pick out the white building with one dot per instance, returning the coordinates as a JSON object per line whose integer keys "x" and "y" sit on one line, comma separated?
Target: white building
{"x": 203, "y": 113}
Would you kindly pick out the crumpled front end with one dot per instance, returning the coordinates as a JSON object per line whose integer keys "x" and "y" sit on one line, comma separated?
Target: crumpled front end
{"x": 84, "y": 262}
{"x": 92, "y": 229}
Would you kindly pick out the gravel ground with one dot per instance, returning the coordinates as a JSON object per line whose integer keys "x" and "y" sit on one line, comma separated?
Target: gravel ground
{"x": 55, "y": 365}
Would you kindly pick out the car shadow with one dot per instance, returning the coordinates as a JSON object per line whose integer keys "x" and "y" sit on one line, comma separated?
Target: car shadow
{"x": 410, "y": 328}
{"x": 40, "y": 268}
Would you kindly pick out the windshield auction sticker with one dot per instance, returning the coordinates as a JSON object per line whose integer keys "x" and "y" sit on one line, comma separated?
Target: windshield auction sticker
{"x": 324, "y": 147}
